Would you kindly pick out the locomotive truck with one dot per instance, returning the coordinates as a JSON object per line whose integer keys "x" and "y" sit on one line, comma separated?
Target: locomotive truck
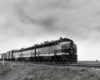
{"x": 61, "y": 50}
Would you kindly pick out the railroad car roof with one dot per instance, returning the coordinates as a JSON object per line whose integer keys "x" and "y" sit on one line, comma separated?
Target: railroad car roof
{"x": 45, "y": 44}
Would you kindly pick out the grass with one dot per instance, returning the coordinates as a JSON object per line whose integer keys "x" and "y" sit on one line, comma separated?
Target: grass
{"x": 47, "y": 72}
{"x": 4, "y": 69}
{"x": 60, "y": 73}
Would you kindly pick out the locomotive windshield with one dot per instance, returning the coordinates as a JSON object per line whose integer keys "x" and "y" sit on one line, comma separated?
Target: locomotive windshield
{"x": 65, "y": 45}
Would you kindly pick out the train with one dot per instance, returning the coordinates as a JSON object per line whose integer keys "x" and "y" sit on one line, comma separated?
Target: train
{"x": 60, "y": 50}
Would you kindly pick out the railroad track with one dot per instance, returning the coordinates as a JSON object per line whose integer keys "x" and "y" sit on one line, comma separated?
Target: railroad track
{"x": 78, "y": 64}
{"x": 68, "y": 64}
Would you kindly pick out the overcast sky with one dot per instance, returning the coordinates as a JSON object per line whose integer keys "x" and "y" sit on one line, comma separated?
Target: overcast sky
{"x": 26, "y": 22}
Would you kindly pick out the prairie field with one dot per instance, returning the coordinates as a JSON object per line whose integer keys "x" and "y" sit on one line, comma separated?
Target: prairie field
{"x": 29, "y": 71}
{"x": 89, "y": 62}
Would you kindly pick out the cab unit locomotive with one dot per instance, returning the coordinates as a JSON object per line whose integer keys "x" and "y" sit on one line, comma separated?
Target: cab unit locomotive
{"x": 62, "y": 50}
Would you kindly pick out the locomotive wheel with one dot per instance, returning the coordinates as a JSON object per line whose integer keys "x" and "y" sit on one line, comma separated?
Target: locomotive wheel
{"x": 50, "y": 61}
{"x": 63, "y": 61}
{"x": 71, "y": 62}
{"x": 56, "y": 60}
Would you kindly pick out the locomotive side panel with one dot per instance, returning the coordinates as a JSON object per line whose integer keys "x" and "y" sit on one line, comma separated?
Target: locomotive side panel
{"x": 32, "y": 53}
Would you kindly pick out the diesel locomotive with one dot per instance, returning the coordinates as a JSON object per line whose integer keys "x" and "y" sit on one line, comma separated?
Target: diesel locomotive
{"x": 61, "y": 50}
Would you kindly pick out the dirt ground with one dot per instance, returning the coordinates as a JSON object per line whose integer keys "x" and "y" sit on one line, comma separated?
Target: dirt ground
{"x": 28, "y": 71}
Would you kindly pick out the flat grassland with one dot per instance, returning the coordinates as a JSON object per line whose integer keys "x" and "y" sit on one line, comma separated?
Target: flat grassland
{"x": 28, "y": 71}
{"x": 89, "y": 62}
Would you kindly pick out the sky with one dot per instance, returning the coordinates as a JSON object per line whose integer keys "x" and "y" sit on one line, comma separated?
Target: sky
{"x": 24, "y": 23}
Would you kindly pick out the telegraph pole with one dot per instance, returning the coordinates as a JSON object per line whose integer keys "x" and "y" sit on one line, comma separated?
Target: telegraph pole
{"x": 3, "y": 61}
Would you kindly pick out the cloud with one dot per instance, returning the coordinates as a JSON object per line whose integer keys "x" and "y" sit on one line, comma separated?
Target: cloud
{"x": 60, "y": 16}
{"x": 64, "y": 17}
